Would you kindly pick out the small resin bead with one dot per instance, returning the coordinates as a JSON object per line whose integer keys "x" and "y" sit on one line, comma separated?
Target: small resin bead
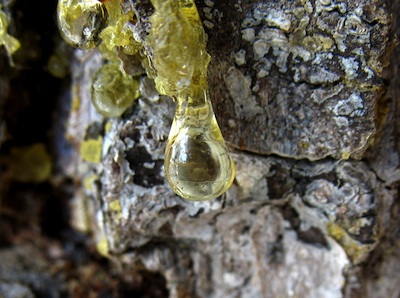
{"x": 113, "y": 92}
{"x": 81, "y": 21}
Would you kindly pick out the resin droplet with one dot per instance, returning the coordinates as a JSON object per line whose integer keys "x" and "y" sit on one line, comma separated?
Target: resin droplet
{"x": 113, "y": 92}
{"x": 10, "y": 43}
{"x": 81, "y": 21}
{"x": 197, "y": 162}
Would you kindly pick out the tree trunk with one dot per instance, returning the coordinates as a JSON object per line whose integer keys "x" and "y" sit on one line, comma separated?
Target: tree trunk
{"x": 305, "y": 93}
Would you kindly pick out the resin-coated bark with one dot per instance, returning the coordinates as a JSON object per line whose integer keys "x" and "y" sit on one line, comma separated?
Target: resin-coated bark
{"x": 313, "y": 209}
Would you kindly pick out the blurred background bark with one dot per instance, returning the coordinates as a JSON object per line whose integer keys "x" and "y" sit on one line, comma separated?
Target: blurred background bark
{"x": 306, "y": 94}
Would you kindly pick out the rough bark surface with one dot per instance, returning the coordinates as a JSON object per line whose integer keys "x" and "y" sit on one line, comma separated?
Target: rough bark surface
{"x": 313, "y": 211}
{"x": 308, "y": 71}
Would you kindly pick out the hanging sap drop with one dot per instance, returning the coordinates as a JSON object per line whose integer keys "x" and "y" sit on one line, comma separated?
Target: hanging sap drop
{"x": 81, "y": 21}
{"x": 197, "y": 162}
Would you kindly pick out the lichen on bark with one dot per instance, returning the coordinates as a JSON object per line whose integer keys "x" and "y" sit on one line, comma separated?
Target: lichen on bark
{"x": 285, "y": 76}
{"x": 281, "y": 213}
{"x": 310, "y": 72}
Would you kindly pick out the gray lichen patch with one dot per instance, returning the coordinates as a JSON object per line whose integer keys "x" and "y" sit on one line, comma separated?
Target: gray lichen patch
{"x": 300, "y": 53}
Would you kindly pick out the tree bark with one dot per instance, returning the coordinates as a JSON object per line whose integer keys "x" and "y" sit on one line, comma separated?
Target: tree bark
{"x": 306, "y": 95}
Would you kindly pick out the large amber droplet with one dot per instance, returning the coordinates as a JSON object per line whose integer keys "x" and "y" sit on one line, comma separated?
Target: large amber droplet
{"x": 197, "y": 162}
{"x": 81, "y": 21}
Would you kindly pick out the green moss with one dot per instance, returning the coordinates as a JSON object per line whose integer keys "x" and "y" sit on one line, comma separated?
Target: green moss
{"x": 31, "y": 164}
{"x": 91, "y": 149}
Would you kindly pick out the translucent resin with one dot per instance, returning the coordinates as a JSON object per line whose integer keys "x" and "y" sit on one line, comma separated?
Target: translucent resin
{"x": 10, "y": 43}
{"x": 197, "y": 162}
{"x": 113, "y": 91}
{"x": 81, "y": 21}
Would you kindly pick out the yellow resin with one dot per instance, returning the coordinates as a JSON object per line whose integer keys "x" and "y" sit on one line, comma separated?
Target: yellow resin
{"x": 178, "y": 43}
{"x": 197, "y": 162}
{"x": 113, "y": 92}
{"x": 117, "y": 33}
{"x": 10, "y": 43}
{"x": 81, "y": 21}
